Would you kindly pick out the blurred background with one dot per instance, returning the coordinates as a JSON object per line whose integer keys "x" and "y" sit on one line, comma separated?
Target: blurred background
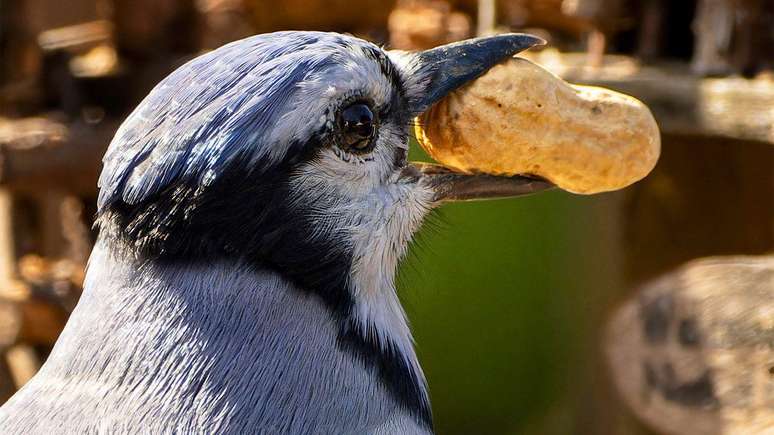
{"x": 510, "y": 300}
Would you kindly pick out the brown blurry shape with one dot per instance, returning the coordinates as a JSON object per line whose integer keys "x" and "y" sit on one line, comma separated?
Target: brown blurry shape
{"x": 606, "y": 17}
{"x": 362, "y": 17}
{"x": 24, "y": 20}
{"x": 224, "y": 21}
{"x": 23, "y": 363}
{"x": 152, "y": 28}
{"x": 10, "y": 324}
{"x": 43, "y": 295}
{"x": 419, "y": 25}
{"x": 42, "y": 152}
{"x": 521, "y": 14}
{"x": 733, "y": 36}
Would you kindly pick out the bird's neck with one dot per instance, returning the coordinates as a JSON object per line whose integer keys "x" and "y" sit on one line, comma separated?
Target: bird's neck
{"x": 211, "y": 316}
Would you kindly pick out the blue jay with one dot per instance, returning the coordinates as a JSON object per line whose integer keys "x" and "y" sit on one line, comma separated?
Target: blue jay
{"x": 252, "y": 212}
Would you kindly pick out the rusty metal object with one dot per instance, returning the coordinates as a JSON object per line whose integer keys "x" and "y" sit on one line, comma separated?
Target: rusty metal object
{"x": 693, "y": 352}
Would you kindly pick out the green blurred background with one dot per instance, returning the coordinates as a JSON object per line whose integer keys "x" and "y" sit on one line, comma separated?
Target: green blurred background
{"x": 503, "y": 297}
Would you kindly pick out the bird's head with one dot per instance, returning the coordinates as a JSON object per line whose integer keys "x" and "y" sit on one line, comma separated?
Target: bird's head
{"x": 288, "y": 152}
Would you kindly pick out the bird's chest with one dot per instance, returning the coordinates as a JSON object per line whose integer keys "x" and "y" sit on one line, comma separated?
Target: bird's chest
{"x": 269, "y": 359}
{"x": 260, "y": 354}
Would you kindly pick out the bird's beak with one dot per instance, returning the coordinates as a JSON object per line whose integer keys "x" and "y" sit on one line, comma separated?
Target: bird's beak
{"x": 450, "y": 66}
{"x": 446, "y": 68}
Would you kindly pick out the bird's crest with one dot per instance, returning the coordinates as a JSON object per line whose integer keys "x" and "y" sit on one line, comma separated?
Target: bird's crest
{"x": 229, "y": 104}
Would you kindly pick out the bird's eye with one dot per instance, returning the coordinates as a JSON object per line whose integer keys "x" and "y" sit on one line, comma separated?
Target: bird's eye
{"x": 357, "y": 127}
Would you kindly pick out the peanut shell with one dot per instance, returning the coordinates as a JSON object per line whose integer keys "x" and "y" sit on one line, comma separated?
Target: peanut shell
{"x": 519, "y": 118}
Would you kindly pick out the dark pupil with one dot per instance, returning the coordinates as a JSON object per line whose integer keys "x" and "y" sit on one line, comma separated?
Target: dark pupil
{"x": 357, "y": 124}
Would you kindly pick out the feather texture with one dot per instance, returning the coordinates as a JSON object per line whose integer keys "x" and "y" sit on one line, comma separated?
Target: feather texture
{"x": 243, "y": 276}
{"x": 249, "y": 100}
{"x": 155, "y": 349}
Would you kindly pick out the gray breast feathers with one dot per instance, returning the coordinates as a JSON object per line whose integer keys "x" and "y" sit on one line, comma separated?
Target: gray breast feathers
{"x": 221, "y": 349}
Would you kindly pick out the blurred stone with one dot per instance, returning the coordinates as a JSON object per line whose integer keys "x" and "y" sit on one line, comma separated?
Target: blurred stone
{"x": 693, "y": 351}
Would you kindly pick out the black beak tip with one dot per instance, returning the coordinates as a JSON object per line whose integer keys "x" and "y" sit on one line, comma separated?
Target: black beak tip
{"x": 456, "y": 64}
{"x": 495, "y": 47}
{"x": 449, "y": 67}
{"x": 522, "y": 41}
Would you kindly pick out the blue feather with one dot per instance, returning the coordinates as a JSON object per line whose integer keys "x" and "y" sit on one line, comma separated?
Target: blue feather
{"x": 215, "y": 108}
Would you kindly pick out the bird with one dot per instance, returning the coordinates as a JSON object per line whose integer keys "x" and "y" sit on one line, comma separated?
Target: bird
{"x": 252, "y": 212}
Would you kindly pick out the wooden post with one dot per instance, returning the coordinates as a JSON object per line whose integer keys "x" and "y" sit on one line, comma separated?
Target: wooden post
{"x": 713, "y": 28}
{"x": 23, "y": 363}
{"x": 7, "y": 248}
{"x": 487, "y": 17}
{"x": 52, "y": 241}
{"x": 596, "y": 45}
